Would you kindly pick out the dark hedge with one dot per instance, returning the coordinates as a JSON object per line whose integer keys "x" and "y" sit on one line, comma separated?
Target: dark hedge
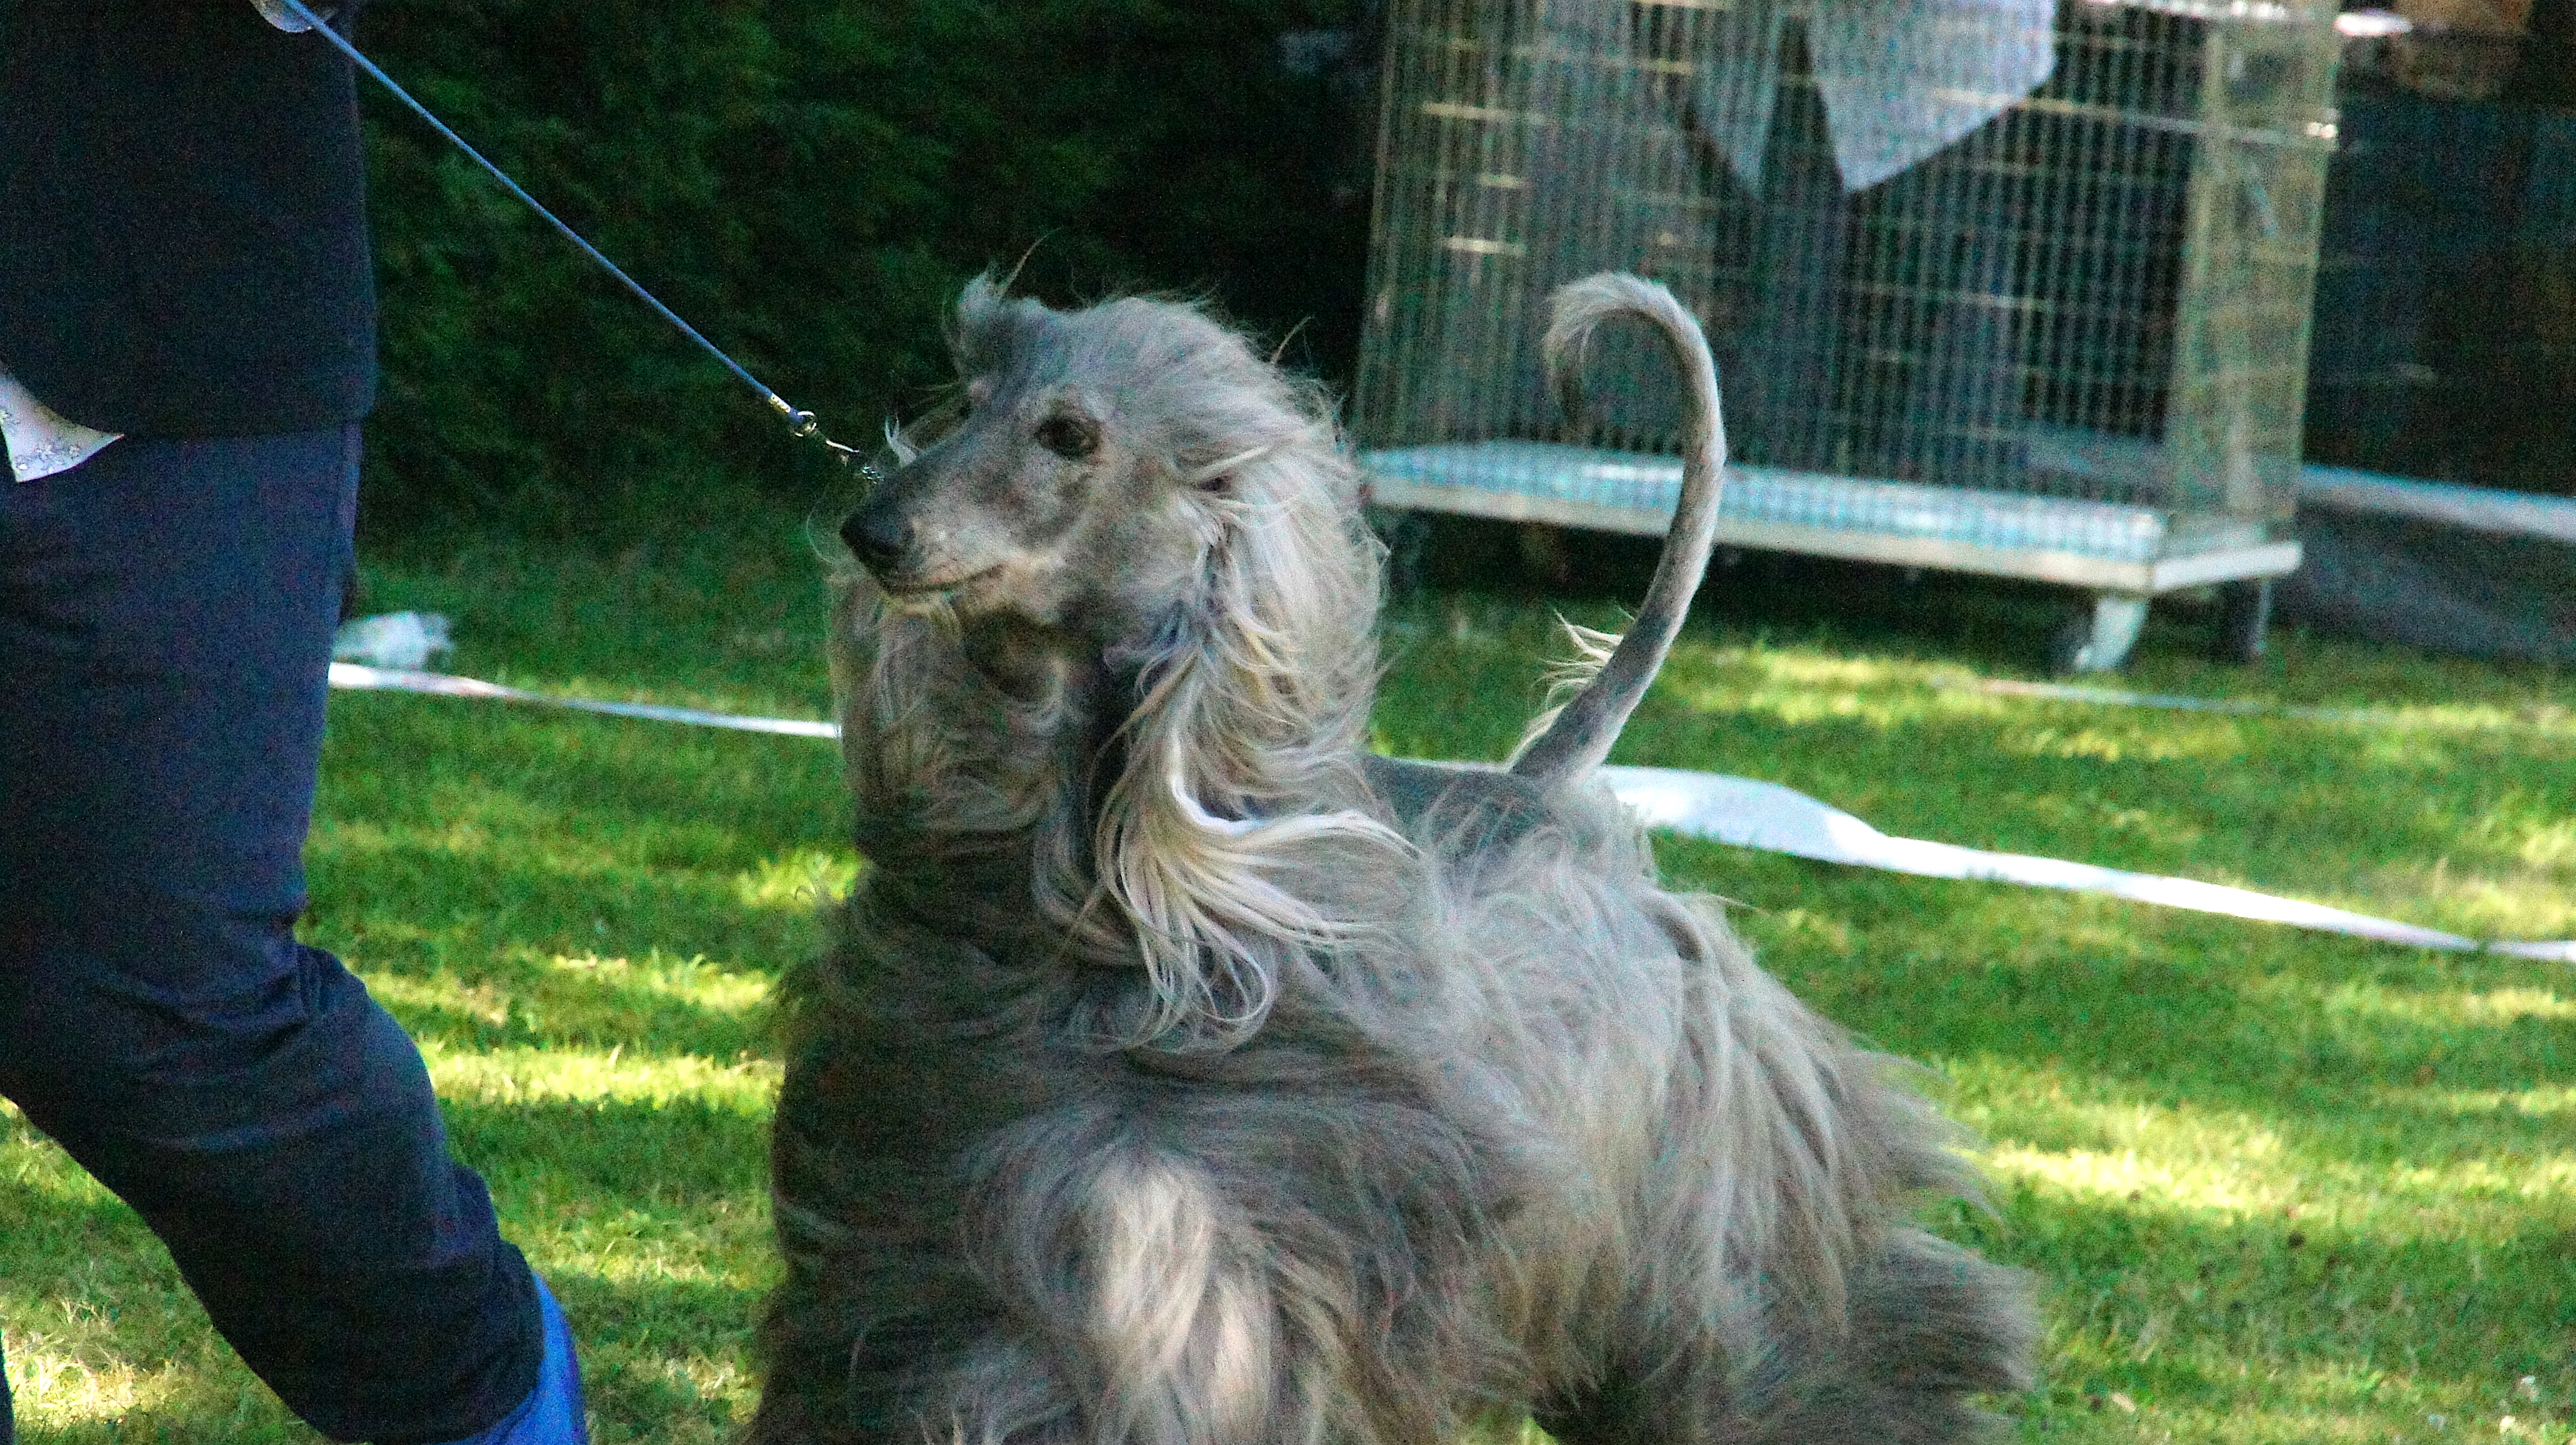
{"x": 809, "y": 182}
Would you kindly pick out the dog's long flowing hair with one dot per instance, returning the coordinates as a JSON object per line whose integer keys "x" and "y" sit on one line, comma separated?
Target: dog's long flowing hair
{"x": 1184, "y": 1074}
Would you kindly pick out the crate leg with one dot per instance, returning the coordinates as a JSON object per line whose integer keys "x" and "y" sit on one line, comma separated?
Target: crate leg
{"x": 1544, "y": 554}
{"x": 2244, "y": 614}
{"x": 2098, "y": 640}
{"x": 1405, "y": 536}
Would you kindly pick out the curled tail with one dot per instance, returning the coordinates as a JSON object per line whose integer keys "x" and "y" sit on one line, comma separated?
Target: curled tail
{"x": 1575, "y": 741}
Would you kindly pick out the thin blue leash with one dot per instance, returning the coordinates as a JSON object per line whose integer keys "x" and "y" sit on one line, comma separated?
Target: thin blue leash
{"x": 800, "y": 423}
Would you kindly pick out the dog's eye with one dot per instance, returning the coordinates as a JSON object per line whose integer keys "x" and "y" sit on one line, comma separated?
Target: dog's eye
{"x": 1070, "y": 437}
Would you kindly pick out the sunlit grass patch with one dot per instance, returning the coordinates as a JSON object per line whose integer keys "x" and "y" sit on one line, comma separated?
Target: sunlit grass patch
{"x": 560, "y": 1074}
{"x": 800, "y": 881}
{"x": 74, "y": 1381}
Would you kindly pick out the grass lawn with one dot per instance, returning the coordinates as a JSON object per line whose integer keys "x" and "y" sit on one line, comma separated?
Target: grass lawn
{"x": 2278, "y": 1186}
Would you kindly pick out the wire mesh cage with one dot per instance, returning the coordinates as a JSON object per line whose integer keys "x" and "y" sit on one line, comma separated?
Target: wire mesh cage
{"x": 2004, "y": 286}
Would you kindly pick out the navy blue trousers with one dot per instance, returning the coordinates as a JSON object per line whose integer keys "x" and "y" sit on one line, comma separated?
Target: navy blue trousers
{"x": 166, "y": 611}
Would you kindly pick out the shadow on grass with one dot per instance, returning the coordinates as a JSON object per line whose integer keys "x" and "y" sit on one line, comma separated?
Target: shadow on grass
{"x": 598, "y": 1157}
{"x": 638, "y": 616}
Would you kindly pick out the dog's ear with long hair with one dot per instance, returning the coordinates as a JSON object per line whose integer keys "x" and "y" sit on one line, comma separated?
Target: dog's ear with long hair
{"x": 1248, "y": 714}
{"x": 982, "y": 331}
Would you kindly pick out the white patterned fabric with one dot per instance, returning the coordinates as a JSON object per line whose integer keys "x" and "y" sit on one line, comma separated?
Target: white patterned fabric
{"x": 1900, "y": 78}
{"x": 40, "y": 442}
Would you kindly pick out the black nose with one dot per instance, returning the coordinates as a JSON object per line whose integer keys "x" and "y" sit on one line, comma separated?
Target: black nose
{"x": 877, "y": 536}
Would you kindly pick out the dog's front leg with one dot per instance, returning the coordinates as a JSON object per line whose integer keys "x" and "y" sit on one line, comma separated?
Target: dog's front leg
{"x": 1145, "y": 1290}
{"x": 882, "y": 1325}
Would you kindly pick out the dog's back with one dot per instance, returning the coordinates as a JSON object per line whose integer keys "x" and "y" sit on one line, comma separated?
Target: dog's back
{"x": 1713, "y": 1244}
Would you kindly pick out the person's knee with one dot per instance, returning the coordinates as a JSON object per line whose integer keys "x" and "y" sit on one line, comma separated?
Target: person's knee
{"x": 276, "y": 1042}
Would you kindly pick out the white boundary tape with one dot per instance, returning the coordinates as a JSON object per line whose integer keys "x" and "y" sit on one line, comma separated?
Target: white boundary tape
{"x": 1775, "y": 819}
{"x": 362, "y": 678}
{"x": 1737, "y": 811}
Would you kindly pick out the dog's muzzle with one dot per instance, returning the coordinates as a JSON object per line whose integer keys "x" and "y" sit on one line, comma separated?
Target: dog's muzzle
{"x": 879, "y": 537}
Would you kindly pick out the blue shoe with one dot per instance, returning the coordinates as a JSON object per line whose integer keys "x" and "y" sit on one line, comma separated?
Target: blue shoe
{"x": 552, "y": 1413}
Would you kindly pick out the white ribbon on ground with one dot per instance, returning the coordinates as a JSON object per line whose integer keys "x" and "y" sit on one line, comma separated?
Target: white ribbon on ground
{"x": 1750, "y": 814}
{"x": 363, "y": 678}
{"x": 1738, "y": 811}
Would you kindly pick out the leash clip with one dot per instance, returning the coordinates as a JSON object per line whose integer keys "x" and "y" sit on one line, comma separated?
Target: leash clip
{"x": 802, "y": 424}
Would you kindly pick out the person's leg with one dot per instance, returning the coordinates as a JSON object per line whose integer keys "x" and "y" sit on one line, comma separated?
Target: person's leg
{"x": 166, "y": 612}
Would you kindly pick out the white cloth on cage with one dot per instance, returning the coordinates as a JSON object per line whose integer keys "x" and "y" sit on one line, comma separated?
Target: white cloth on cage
{"x": 1900, "y": 79}
{"x": 41, "y": 441}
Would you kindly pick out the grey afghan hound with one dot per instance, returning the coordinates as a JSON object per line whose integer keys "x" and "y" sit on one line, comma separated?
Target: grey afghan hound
{"x": 1182, "y": 1074}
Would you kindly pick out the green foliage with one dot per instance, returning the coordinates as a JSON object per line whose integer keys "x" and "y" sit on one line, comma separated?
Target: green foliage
{"x": 807, "y": 182}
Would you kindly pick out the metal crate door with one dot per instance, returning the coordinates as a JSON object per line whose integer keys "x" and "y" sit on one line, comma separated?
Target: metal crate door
{"x": 2255, "y": 213}
{"x": 1522, "y": 144}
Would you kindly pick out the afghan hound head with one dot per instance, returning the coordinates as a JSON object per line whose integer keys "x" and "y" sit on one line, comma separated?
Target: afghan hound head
{"x": 1142, "y": 543}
